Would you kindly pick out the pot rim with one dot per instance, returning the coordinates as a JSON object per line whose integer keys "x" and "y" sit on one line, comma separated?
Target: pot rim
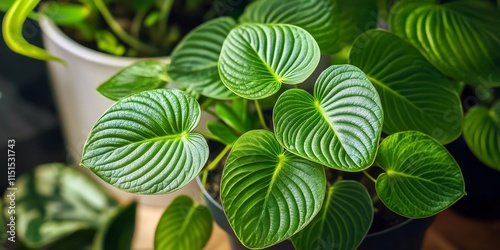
{"x": 53, "y": 33}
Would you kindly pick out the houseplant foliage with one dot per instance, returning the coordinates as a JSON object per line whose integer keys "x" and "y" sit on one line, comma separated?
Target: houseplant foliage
{"x": 54, "y": 211}
{"x": 123, "y": 28}
{"x": 274, "y": 184}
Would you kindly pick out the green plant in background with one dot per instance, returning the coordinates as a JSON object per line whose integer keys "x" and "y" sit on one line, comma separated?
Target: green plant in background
{"x": 59, "y": 207}
{"x": 405, "y": 82}
{"x": 124, "y": 28}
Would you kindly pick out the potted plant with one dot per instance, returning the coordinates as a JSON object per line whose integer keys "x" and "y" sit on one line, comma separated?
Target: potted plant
{"x": 100, "y": 37}
{"x": 291, "y": 172}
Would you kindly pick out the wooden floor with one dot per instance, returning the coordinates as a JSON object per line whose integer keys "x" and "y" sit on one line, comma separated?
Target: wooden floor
{"x": 448, "y": 232}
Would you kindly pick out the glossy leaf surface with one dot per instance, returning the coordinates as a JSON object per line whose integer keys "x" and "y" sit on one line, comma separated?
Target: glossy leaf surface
{"x": 414, "y": 94}
{"x": 183, "y": 226}
{"x": 461, "y": 38}
{"x": 482, "y": 134}
{"x": 194, "y": 60}
{"x": 339, "y": 126}
{"x": 144, "y": 143}
{"x": 135, "y": 78}
{"x": 421, "y": 179}
{"x": 269, "y": 194}
{"x": 343, "y": 222}
{"x": 256, "y": 59}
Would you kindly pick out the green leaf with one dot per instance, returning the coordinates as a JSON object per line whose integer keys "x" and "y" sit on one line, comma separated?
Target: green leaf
{"x": 414, "y": 94}
{"x": 107, "y": 42}
{"x": 342, "y": 223}
{"x": 225, "y": 134}
{"x": 194, "y": 60}
{"x": 231, "y": 118}
{"x": 144, "y": 144}
{"x": 482, "y": 134}
{"x": 461, "y": 38}
{"x": 339, "y": 126}
{"x": 56, "y": 201}
{"x": 135, "y": 78}
{"x": 118, "y": 232}
{"x": 184, "y": 226}
{"x": 256, "y": 59}
{"x": 269, "y": 194}
{"x": 65, "y": 13}
{"x": 421, "y": 179}
{"x": 12, "y": 31}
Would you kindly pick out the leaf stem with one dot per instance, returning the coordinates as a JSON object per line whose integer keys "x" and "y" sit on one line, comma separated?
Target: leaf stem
{"x": 208, "y": 136}
{"x": 205, "y": 104}
{"x": 261, "y": 116}
{"x": 375, "y": 198}
{"x": 218, "y": 158}
{"x": 163, "y": 19}
{"x": 204, "y": 177}
{"x": 369, "y": 176}
{"x": 135, "y": 27}
{"x": 118, "y": 30}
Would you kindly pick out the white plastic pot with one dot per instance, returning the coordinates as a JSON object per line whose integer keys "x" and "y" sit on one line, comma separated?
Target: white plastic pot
{"x": 80, "y": 105}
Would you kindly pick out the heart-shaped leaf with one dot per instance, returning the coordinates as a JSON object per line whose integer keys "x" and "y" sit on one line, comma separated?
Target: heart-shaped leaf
{"x": 135, "y": 78}
{"x": 256, "y": 59}
{"x": 144, "y": 144}
{"x": 194, "y": 60}
{"x": 482, "y": 133}
{"x": 342, "y": 223}
{"x": 56, "y": 201}
{"x": 269, "y": 194}
{"x": 118, "y": 231}
{"x": 461, "y": 38}
{"x": 333, "y": 23}
{"x": 421, "y": 179}
{"x": 414, "y": 94}
{"x": 339, "y": 127}
{"x": 183, "y": 226}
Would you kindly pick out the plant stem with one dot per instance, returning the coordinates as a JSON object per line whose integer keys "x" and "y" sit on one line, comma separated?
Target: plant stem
{"x": 219, "y": 157}
{"x": 205, "y": 104}
{"x": 135, "y": 28}
{"x": 208, "y": 136}
{"x": 204, "y": 177}
{"x": 369, "y": 176}
{"x": 261, "y": 116}
{"x": 375, "y": 198}
{"x": 163, "y": 19}
{"x": 118, "y": 30}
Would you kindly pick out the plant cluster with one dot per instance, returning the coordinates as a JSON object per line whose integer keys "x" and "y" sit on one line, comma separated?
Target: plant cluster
{"x": 137, "y": 28}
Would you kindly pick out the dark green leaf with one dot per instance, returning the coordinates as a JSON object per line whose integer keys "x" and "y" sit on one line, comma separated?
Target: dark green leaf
{"x": 118, "y": 231}
{"x": 65, "y": 13}
{"x": 194, "y": 60}
{"x": 144, "y": 143}
{"x": 342, "y": 223}
{"x": 256, "y": 59}
{"x": 269, "y": 194}
{"x": 135, "y": 78}
{"x": 225, "y": 134}
{"x": 184, "y": 226}
{"x": 421, "y": 179}
{"x": 414, "y": 94}
{"x": 461, "y": 38}
{"x": 12, "y": 31}
{"x": 56, "y": 201}
{"x": 339, "y": 126}
{"x": 482, "y": 133}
